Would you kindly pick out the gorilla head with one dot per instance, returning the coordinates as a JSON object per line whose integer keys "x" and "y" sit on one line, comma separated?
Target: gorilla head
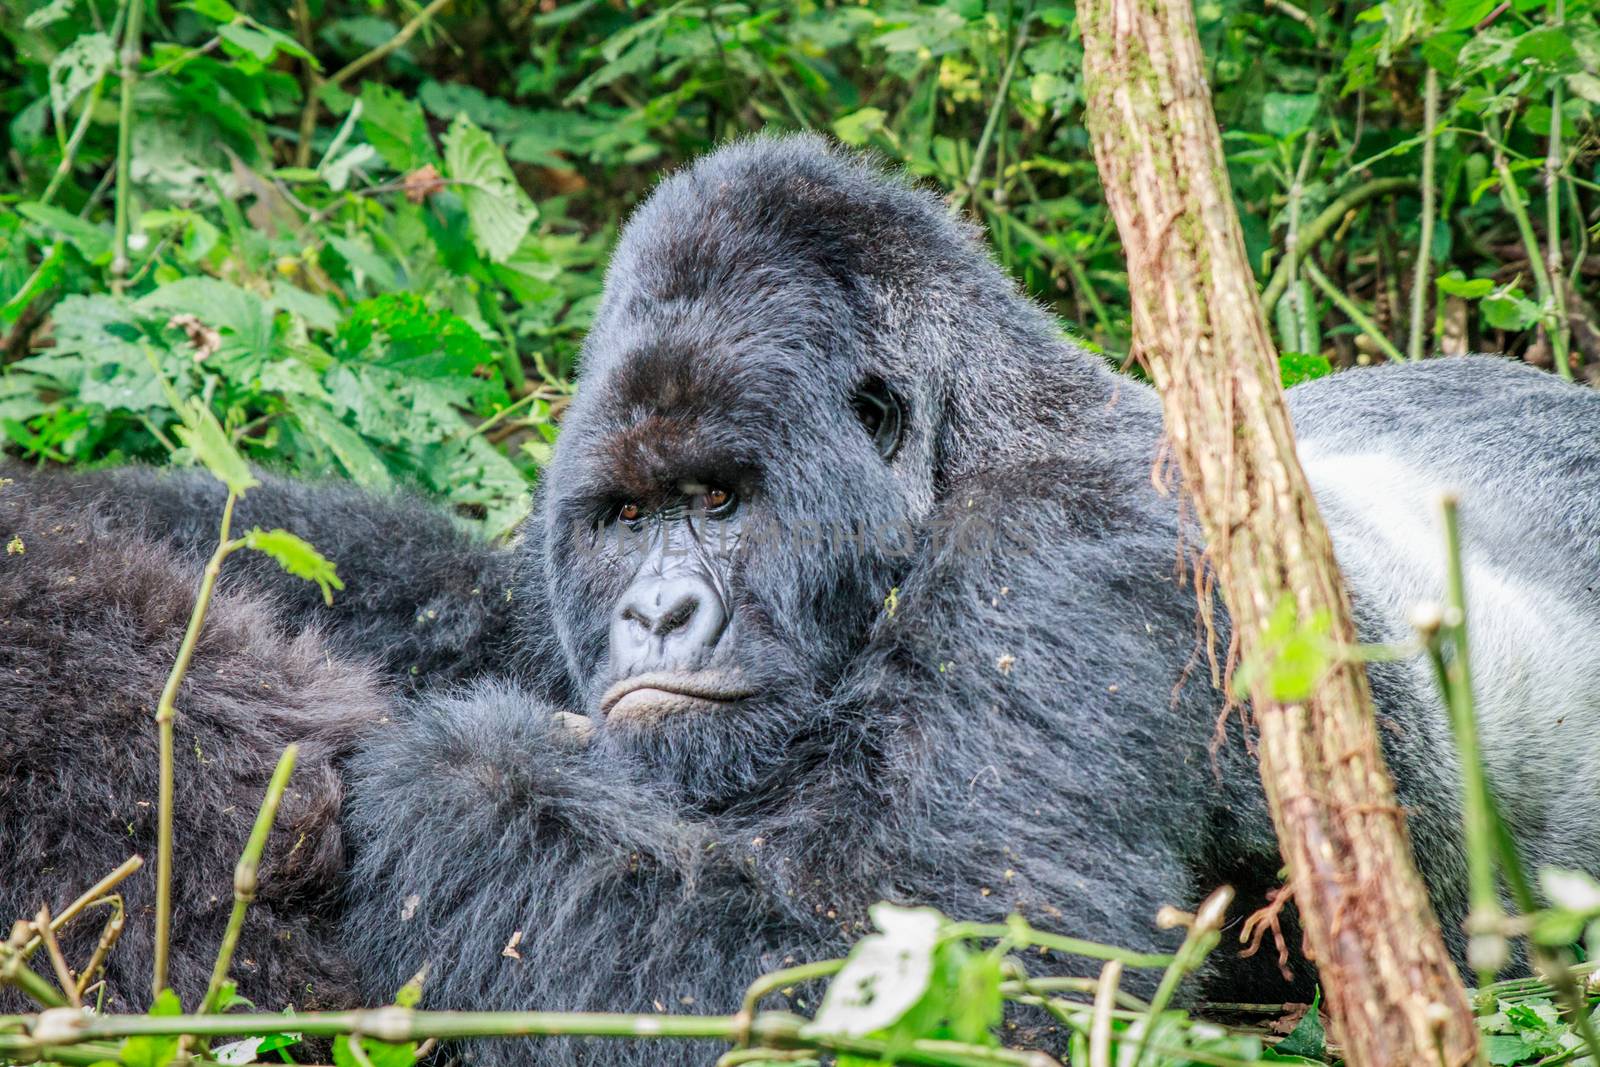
{"x": 783, "y": 339}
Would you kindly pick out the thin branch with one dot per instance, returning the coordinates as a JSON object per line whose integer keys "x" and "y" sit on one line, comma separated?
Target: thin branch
{"x": 1353, "y": 313}
{"x": 245, "y": 874}
{"x": 58, "y": 962}
{"x": 130, "y": 78}
{"x": 1318, "y": 228}
{"x": 1511, "y": 194}
{"x": 1421, "y": 277}
{"x": 315, "y": 85}
{"x": 166, "y": 712}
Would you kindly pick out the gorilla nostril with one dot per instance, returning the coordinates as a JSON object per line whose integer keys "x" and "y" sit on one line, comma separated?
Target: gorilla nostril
{"x": 677, "y": 616}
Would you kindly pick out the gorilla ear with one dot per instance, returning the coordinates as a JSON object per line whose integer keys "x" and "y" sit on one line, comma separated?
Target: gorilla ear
{"x": 881, "y": 413}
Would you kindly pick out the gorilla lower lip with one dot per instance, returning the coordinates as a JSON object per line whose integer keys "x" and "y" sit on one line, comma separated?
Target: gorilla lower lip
{"x": 648, "y": 697}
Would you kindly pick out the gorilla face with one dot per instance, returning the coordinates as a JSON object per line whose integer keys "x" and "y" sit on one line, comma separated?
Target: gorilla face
{"x": 710, "y": 588}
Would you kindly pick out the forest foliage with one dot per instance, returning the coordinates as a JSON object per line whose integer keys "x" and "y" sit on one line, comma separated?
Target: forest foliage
{"x": 371, "y": 235}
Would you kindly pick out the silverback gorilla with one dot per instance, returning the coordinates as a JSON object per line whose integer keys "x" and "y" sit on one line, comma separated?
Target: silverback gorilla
{"x": 850, "y": 568}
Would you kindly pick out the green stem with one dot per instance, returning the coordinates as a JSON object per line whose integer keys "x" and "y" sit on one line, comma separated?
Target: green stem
{"x": 166, "y": 713}
{"x": 772, "y": 1029}
{"x": 130, "y": 79}
{"x": 244, "y": 875}
{"x": 770, "y": 983}
{"x": 1561, "y": 333}
{"x": 1485, "y": 919}
{"x": 1421, "y": 279}
{"x": 1202, "y": 937}
{"x": 315, "y": 85}
{"x": 1353, "y": 313}
{"x": 1511, "y": 194}
{"x": 15, "y": 972}
{"x": 1021, "y": 933}
{"x": 1296, "y": 332}
{"x": 70, "y": 154}
{"x": 979, "y": 154}
{"x": 1318, "y": 228}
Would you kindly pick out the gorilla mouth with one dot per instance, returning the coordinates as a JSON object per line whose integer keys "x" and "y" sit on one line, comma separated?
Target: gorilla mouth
{"x": 647, "y": 698}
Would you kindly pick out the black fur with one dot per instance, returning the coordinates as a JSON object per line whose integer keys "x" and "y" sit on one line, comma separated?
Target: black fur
{"x": 90, "y": 622}
{"x": 996, "y": 700}
{"x": 1019, "y": 723}
{"x": 425, "y": 598}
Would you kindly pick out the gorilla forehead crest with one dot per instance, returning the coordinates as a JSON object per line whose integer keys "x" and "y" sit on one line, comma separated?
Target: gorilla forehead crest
{"x": 772, "y": 272}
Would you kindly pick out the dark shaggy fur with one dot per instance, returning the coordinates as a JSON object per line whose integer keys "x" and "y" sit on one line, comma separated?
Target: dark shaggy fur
{"x": 424, "y": 598}
{"x": 979, "y": 680}
{"x": 90, "y": 621}
{"x": 1019, "y": 722}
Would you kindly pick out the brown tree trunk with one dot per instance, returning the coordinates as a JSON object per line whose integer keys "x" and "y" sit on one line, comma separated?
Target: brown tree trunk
{"x": 1391, "y": 988}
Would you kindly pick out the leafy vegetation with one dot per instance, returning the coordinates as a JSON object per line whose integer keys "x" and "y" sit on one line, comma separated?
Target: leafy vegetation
{"x": 370, "y": 236}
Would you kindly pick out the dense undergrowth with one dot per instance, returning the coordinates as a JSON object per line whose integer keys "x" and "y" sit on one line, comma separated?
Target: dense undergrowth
{"x": 370, "y": 236}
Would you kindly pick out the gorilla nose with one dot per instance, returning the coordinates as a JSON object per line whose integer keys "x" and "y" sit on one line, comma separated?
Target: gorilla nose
{"x": 667, "y": 622}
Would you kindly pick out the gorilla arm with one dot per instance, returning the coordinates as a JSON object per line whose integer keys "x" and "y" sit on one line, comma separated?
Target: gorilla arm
{"x": 421, "y": 595}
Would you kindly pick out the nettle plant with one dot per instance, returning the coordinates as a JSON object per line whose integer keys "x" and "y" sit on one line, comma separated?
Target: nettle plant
{"x": 373, "y": 310}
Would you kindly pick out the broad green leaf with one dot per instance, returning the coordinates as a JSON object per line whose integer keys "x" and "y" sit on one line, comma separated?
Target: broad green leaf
{"x": 395, "y": 126}
{"x": 1286, "y": 114}
{"x": 1308, "y": 1038}
{"x": 215, "y": 10}
{"x": 1509, "y": 310}
{"x": 378, "y": 1053}
{"x": 296, "y": 557}
{"x": 857, "y": 127}
{"x": 86, "y": 237}
{"x": 497, "y": 209}
{"x": 357, "y": 458}
{"x": 205, "y": 437}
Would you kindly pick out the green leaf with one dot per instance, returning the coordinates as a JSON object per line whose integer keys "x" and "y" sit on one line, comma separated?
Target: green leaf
{"x": 1550, "y": 47}
{"x": 498, "y": 210}
{"x": 1585, "y": 85}
{"x": 395, "y": 126}
{"x": 1457, "y": 284}
{"x": 215, "y": 10}
{"x": 885, "y": 976}
{"x": 205, "y": 437}
{"x": 1506, "y": 1049}
{"x": 857, "y": 127}
{"x": 86, "y": 237}
{"x": 49, "y": 14}
{"x": 1286, "y": 114}
{"x": 1509, "y": 310}
{"x": 78, "y": 66}
{"x": 296, "y": 557}
{"x": 378, "y": 1053}
{"x": 1297, "y": 367}
{"x": 1307, "y": 1038}
{"x": 357, "y": 458}
{"x": 154, "y": 1051}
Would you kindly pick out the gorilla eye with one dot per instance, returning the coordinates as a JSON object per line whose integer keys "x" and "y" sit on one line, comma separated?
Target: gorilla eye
{"x": 716, "y": 501}
{"x": 881, "y": 414}
{"x": 629, "y": 512}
